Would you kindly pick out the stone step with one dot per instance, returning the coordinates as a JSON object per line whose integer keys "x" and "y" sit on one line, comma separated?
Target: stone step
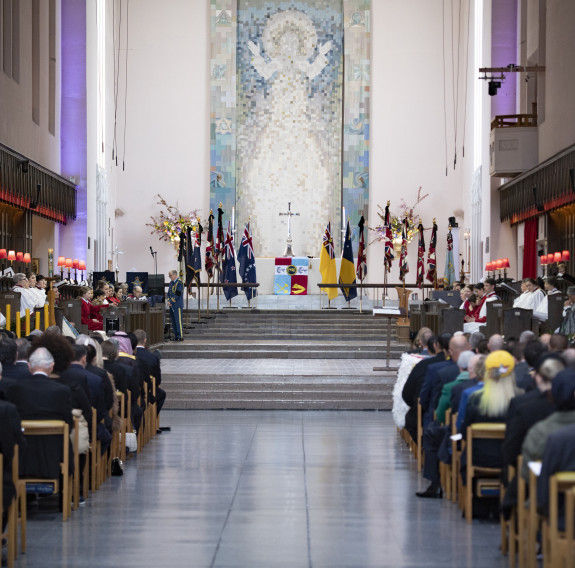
{"x": 256, "y": 404}
{"x": 294, "y": 345}
{"x": 281, "y": 354}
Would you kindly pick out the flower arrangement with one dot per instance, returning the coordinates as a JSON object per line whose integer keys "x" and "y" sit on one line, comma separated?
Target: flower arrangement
{"x": 413, "y": 220}
{"x": 170, "y": 223}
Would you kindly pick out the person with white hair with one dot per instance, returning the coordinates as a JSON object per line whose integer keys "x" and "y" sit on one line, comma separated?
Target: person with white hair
{"x": 38, "y": 397}
{"x": 28, "y": 298}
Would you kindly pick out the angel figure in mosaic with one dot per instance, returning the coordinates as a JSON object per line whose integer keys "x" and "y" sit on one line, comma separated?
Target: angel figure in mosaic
{"x": 289, "y": 159}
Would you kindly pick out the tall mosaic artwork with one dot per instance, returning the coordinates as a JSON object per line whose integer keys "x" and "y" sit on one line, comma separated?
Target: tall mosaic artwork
{"x": 290, "y": 121}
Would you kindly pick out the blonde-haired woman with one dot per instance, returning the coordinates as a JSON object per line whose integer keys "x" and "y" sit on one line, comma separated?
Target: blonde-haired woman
{"x": 490, "y": 404}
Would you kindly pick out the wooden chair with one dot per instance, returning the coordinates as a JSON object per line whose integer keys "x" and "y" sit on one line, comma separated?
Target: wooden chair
{"x": 419, "y": 449}
{"x": 556, "y": 553}
{"x": 20, "y": 509}
{"x": 474, "y": 432}
{"x": 52, "y": 428}
{"x": 533, "y": 522}
{"x": 444, "y": 468}
{"x": 10, "y": 534}
{"x": 95, "y": 454}
{"x": 517, "y": 524}
{"x": 455, "y": 461}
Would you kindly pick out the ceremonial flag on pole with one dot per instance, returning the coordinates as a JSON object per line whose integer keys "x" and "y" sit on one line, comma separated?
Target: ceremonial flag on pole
{"x": 247, "y": 262}
{"x": 431, "y": 264}
{"x": 449, "y": 277}
{"x": 361, "y": 271}
{"x": 194, "y": 256}
{"x": 229, "y": 264}
{"x": 327, "y": 263}
{"x": 220, "y": 244}
{"x": 346, "y": 270}
{"x": 420, "y": 257}
{"x": 403, "y": 266}
{"x": 388, "y": 240}
{"x": 209, "y": 261}
{"x": 189, "y": 258}
{"x": 182, "y": 247}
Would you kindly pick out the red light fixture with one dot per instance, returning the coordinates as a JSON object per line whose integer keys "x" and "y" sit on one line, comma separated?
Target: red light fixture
{"x": 543, "y": 258}
{"x": 27, "y": 258}
{"x": 19, "y": 256}
{"x": 565, "y": 256}
{"x": 11, "y": 255}
{"x": 3, "y": 254}
{"x": 61, "y": 261}
{"x": 499, "y": 264}
{"x": 82, "y": 265}
{"x": 505, "y": 263}
{"x": 550, "y": 257}
{"x": 557, "y": 257}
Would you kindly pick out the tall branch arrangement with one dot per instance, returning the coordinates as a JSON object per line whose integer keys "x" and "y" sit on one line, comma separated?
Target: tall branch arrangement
{"x": 171, "y": 222}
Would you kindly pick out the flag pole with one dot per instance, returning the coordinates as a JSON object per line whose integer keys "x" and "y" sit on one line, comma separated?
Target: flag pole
{"x": 208, "y": 297}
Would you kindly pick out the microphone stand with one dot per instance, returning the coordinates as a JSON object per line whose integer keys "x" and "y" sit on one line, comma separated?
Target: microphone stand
{"x": 155, "y": 256}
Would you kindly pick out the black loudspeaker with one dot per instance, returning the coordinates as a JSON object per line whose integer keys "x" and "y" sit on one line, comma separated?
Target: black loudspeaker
{"x": 156, "y": 285}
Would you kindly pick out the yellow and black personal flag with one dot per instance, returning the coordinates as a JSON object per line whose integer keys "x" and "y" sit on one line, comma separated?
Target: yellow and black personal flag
{"x": 347, "y": 269}
{"x": 327, "y": 263}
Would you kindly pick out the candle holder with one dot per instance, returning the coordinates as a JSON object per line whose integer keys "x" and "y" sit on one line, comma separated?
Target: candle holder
{"x": 75, "y": 263}
{"x": 68, "y": 266}
{"x": 82, "y": 267}
{"x": 61, "y": 264}
{"x": 50, "y": 263}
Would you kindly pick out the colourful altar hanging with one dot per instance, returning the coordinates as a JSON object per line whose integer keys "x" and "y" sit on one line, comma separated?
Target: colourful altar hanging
{"x": 291, "y": 276}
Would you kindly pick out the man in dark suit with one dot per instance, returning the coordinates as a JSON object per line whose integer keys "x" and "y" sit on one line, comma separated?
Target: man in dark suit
{"x": 151, "y": 363}
{"x": 76, "y": 372}
{"x": 410, "y": 393}
{"x": 38, "y": 397}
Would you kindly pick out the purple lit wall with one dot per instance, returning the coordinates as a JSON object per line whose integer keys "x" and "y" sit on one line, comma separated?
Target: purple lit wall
{"x": 73, "y": 126}
{"x": 504, "y": 52}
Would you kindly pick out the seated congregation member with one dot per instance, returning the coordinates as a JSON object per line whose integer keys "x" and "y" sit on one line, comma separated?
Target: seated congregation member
{"x": 495, "y": 343}
{"x": 10, "y": 435}
{"x": 524, "y": 299}
{"x": 433, "y": 381}
{"x": 135, "y": 372}
{"x": 28, "y": 298}
{"x": 527, "y": 409}
{"x": 558, "y": 343}
{"x": 117, "y": 297}
{"x": 39, "y": 397}
{"x": 38, "y": 291}
{"x": 435, "y": 432}
{"x": 90, "y": 314}
{"x": 118, "y": 372}
{"x": 559, "y": 455}
{"x": 568, "y": 324}
{"x": 124, "y": 286}
{"x": 137, "y": 295}
{"x": 151, "y": 363}
{"x": 7, "y": 358}
{"x": 420, "y": 342}
{"x": 487, "y": 289}
{"x": 537, "y": 294}
{"x": 490, "y": 404}
{"x": 563, "y": 395}
{"x": 412, "y": 387}
{"x": 542, "y": 311}
{"x": 464, "y": 294}
{"x": 475, "y": 339}
{"x": 476, "y": 371}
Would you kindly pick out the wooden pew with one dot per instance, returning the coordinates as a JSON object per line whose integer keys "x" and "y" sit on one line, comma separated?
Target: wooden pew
{"x": 51, "y": 428}
{"x": 474, "y": 432}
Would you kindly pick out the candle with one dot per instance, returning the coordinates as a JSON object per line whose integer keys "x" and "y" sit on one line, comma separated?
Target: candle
{"x": 50, "y": 262}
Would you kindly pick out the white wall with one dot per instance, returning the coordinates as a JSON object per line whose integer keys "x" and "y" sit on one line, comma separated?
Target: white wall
{"x": 167, "y": 142}
{"x": 167, "y": 135}
{"x": 17, "y": 129}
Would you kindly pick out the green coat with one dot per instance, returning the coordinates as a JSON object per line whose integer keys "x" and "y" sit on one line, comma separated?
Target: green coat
{"x": 445, "y": 398}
